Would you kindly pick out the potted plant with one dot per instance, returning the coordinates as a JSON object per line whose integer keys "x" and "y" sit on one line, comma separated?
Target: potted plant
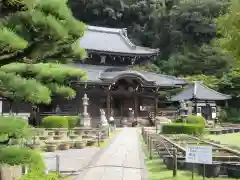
{"x": 40, "y": 131}
{"x": 168, "y": 160}
{"x": 91, "y": 142}
{"x": 233, "y": 170}
{"x": 51, "y": 133}
{"x": 64, "y": 146}
{"x": 61, "y": 131}
{"x": 71, "y": 143}
{"x": 58, "y": 137}
{"x": 36, "y": 146}
{"x": 79, "y": 131}
{"x": 36, "y": 143}
{"x": 51, "y": 147}
{"x": 211, "y": 170}
{"x": 43, "y": 137}
{"x": 80, "y": 144}
{"x": 73, "y": 136}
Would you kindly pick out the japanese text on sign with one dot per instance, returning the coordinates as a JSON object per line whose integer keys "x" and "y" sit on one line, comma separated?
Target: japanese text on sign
{"x": 199, "y": 154}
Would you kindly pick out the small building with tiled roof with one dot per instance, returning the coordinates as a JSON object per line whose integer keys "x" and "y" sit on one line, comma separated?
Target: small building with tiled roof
{"x": 203, "y": 98}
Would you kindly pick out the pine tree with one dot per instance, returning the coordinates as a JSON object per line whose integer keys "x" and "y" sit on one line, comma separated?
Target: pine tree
{"x": 36, "y": 37}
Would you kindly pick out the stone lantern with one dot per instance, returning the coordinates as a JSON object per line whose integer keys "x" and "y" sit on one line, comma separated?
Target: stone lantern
{"x": 86, "y": 121}
{"x": 183, "y": 111}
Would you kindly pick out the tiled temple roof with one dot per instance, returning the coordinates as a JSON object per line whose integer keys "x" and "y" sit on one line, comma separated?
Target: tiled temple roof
{"x": 198, "y": 90}
{"x": 112, "y": 41}
{"x": 109, "y": 74}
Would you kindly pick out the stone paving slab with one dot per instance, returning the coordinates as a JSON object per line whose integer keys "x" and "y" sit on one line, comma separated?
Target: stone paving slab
{"x": 122, "y": 160}
{"x": 70, "y": 160}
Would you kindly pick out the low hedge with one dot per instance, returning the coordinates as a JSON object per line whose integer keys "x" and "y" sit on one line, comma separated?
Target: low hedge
{"x": 193, "y": 119}
{"x": 55, "y": 122}
{"x": 180, "y": 128}
{"x": 72, "y": 121}
{"x": 60, "y": 121}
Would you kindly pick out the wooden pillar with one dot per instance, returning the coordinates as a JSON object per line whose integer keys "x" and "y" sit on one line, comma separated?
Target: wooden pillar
{"x": 108, "y": 105}
{"x": 156, "y": 106}
{"x": 121, "y": 107}
{"x": 136, "y": 105}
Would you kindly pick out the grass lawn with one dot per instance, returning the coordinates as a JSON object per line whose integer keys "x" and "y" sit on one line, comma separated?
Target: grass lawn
{"x": 232, "y": 139}
{"x": 158, "y": 171}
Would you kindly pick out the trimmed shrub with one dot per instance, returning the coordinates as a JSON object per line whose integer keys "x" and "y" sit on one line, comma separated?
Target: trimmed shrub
{"x": 55, "y": 122}
{"x": 22, "y": 156}
{"x": 192, "y": 119}
{"x": 179, "y": 128}
{"x": 72, "y": 121}
{"x": 179, "y": 119}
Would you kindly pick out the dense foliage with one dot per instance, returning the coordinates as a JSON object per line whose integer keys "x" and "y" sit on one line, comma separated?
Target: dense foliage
{"x": 230, "y": 115}
{"x": 32, "y": 32}
{"x": 183, "y": 30}
{"x": 228, "y": 26}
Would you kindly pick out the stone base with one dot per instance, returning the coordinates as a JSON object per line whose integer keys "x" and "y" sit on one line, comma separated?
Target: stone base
{"x": 86, "y": 122}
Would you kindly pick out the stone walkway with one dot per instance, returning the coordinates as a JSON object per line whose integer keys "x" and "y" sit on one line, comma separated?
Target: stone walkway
{"x": 122, "y": 160}
{"x": 70, "y": 160}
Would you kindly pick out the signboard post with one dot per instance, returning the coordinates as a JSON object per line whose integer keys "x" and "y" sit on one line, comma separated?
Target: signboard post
{"x": 199, "y": 155}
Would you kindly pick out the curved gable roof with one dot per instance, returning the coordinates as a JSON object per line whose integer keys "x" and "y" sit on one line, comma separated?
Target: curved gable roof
{"x": 101, "y": 74}
{"x": 112, "y": 40}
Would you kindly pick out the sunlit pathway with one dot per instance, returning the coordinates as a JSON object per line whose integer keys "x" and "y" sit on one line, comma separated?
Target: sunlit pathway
{"x": 123, "y": 159}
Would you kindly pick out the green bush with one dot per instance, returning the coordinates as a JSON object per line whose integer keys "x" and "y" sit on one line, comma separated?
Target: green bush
{"x": 193, "y": 119}
{"x": 179, "y": 119}
{"x": 39, "y": 176}
{"x": 15, "y": 126}
{"x": 55, "y": 122}
{"x": 231, "y": 115}
{"x": 235, "y": 120}
{"x": 22, "y": 156}
{"x": 72, "y": 121}
{"x": 180, "y": 128}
